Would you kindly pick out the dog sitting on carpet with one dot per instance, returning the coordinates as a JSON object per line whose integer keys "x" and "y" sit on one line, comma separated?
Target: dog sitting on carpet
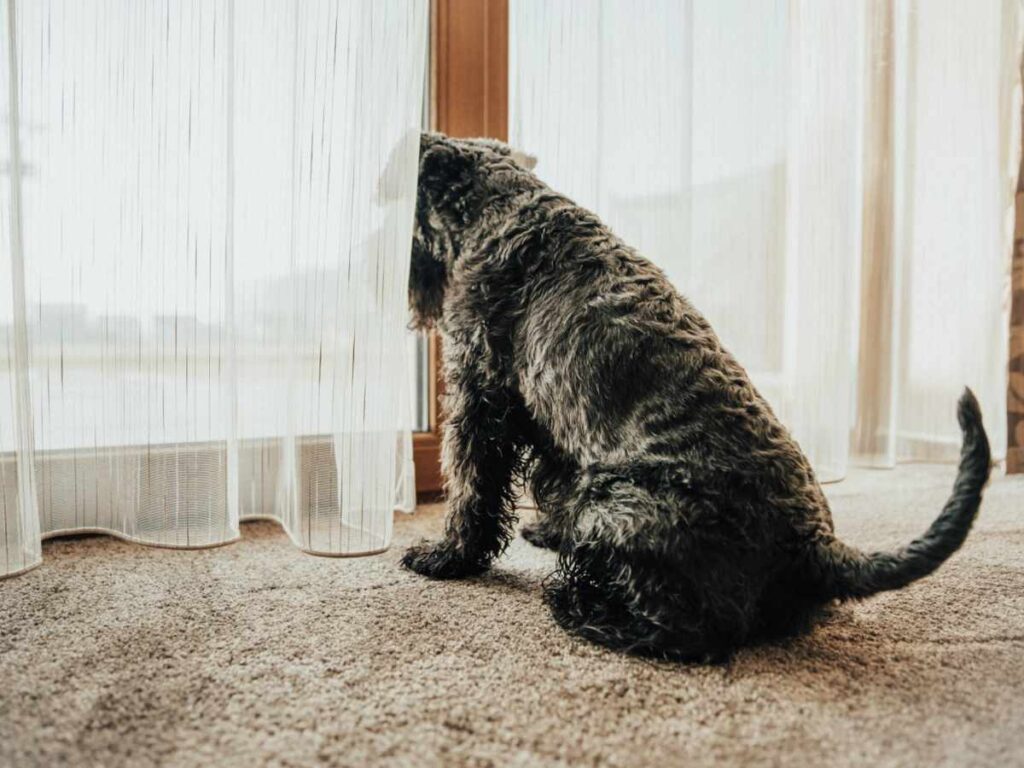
{"x": 686, "y": 519}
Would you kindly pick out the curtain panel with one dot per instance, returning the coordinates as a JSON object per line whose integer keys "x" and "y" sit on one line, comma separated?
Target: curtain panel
{"x": 206, "y": 211}
{"x": 831, "y": 182}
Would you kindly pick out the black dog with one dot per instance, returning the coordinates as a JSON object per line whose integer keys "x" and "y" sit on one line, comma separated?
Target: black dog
{"x": 686, "y": 518}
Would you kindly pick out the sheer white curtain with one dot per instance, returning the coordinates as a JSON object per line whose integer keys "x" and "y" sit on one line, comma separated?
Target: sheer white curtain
{"x": 830, "y": 182}
{"x": 206, "y": 211}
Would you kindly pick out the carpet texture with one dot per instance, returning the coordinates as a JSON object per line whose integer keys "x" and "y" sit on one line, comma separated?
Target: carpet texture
{"x": 254, "y": 653}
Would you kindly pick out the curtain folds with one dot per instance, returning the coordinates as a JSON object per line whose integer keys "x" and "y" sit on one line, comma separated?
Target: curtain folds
{"x": 830, "y": 182}
{"x": 206, "y": 212}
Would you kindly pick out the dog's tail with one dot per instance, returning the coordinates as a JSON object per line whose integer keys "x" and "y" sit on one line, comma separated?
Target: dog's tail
{"x": 849, "y": 573}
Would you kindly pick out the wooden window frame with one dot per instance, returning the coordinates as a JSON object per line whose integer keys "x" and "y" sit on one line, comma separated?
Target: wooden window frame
{"x": 469, "y": 98}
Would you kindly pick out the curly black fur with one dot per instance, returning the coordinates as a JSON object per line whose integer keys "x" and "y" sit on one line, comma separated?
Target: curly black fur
{"x": 686, "y": 518}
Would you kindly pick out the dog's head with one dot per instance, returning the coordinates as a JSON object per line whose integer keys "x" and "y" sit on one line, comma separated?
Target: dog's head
{"x": 458, "y": 180}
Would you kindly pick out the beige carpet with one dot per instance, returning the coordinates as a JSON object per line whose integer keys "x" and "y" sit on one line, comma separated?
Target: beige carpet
{"x": 117, "y": 654}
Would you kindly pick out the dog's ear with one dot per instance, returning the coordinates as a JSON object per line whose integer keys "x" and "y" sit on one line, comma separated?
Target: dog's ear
{"x": 428, "y": 280}
{"x": 523, "y": 159}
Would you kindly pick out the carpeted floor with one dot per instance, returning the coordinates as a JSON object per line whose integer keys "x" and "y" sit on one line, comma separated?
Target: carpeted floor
{"x": 251, "y": 654}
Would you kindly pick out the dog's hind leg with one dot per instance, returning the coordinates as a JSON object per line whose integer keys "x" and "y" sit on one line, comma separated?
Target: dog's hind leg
{"x": 628, "y": 578}
{"x": 480, "y": 454}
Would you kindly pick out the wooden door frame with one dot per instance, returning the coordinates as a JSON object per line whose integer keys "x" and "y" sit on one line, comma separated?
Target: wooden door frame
{"x": 469, "y": 98}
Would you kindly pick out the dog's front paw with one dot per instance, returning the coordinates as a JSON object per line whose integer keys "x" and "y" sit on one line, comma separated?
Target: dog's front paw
{"x": 542, "y": 535}
{"x": 441, "y": 561}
